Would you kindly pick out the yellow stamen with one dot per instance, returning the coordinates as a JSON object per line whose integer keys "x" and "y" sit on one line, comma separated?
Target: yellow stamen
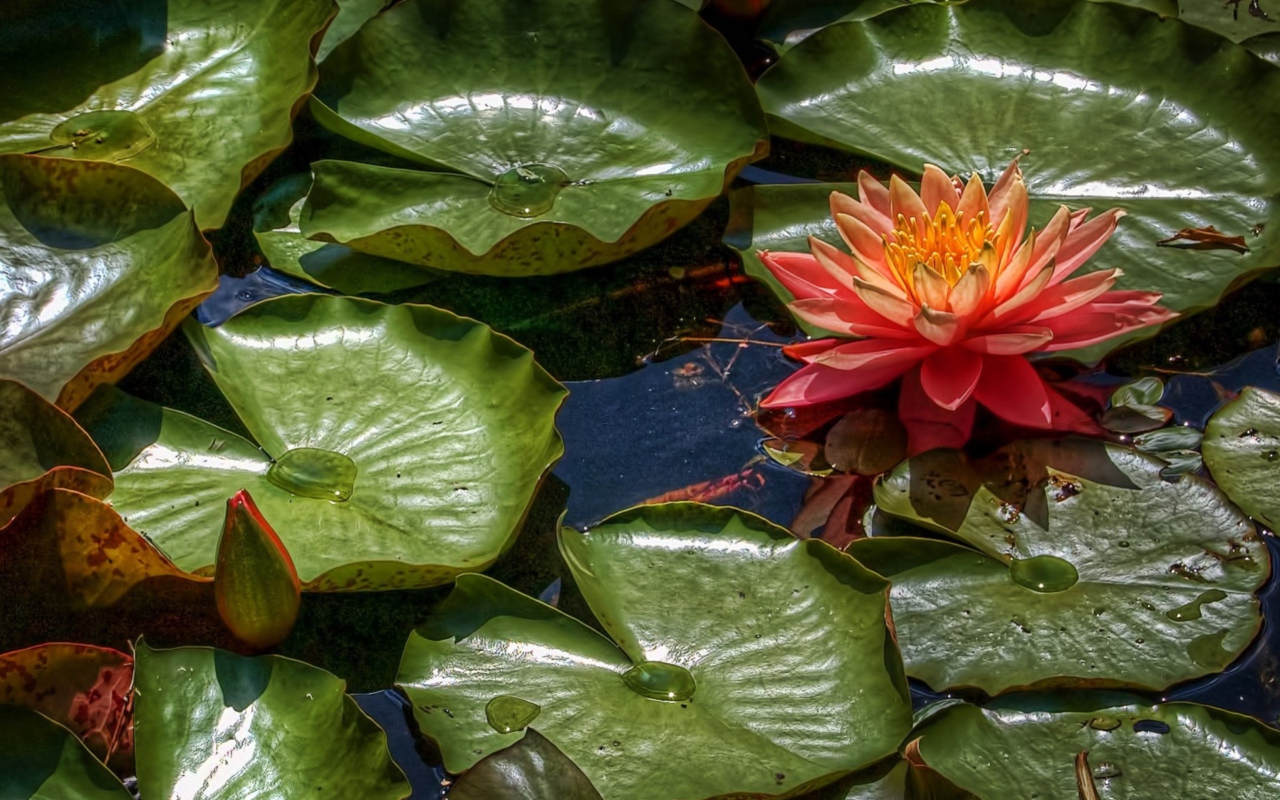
{"x": 944, "y": 242}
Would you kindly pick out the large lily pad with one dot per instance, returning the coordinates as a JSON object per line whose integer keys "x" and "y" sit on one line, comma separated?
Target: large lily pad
{"x": 41, "y": 447}
{"x": 561, "y": 154}
{"x": 204, "y": 114}
{"x": 1141, "y": 586}
{"x": 210, "y": 724}
{"x": 1242, "y": 450}
{"x": 1129, "y": 752}
{"x": 99, "y": 262}
{"x": 41, "y": 760}
{"x": 969, "y": 86}
{"x": 759, "y": 663}
{"x": 400, "y": 445}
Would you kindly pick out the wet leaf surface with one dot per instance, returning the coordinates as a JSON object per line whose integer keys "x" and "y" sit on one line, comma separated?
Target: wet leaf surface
{"x": 1142, "y": 586}
{"x": 211, "y": 724}
{"x": 803, "y": 687}
{"x": 559, "y": 156}
{"x": 99, "y": 262}
{"x": 1242, "y": 450}
{"x": 369, "y": 417}
{"x": 204, "y": 114}
{"x": 531, "y": 768}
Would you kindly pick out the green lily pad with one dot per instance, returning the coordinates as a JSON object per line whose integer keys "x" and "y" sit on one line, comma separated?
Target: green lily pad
{"x": 400, "y": 445}
{"x": 210, "y": 724}
{"x": 204, "y": 114}
{"x": 1139, "y": 586}
{"x": 531, "y": 768}
{"x": 759, "y": 663}
{"x": 41, "y": 760}
{"x": 560, "y": 153}
{"x": 336, "y": 266}
{"x": 351, "y": 15}
{"x": 42, "y": 447}
{"x": 970, "y": 86}
{"x": 1242, "y": 451}
{"x": 1236, "y": 24}
{"x": 98, "y": 262}
{"x": 1131, "y": 752}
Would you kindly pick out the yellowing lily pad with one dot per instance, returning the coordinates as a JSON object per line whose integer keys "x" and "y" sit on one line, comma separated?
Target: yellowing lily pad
{"x": 761, "y": 664}
{"x": 204, "y": 113}
{"x": 399, "y": 445}
{"x": 559, "y": 152}
{"x": 971, "y": 86}
{"x": 98, "y": 262}
{"x": 1139, "y": 585}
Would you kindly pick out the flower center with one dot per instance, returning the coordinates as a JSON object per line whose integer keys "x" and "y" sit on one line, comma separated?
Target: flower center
{"x": 945, "y": 242}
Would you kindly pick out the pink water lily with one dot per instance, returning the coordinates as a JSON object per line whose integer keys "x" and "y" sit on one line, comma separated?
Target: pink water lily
{"x": 946, "y": 289}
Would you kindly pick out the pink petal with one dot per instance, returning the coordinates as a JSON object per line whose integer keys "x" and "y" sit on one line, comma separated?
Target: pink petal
{"x": 1086, "y": 327}
{"x": 875, "y": 194}
{"x": 875, "y": 354}
{"x": 800, "y": 274}
{"x": 1082, "y": 242}
{"x": 866, "y": 244}
{"x": 1014, "y": 391}
{"x": 875, "y": 219}
{"x": 937, "y": 187}
{"x": 1012, "y": 228}
{"x": 973, "y": 200}
{"x": 1025, "y": 295}
{"x": 897, "y": 310}
{"x": 949, "y": 376}
{"x": 847, "y": 316}
{"x": 1013, "y": 341}
{"x": 970, "y": 291}
{"x": 839, "y": 265}
{"x": 807, "y": 351}
{"x": 998, "y": 197}
{"x": 1067, "y": 296}
{"x": 930, "y": 426}
{"x": 939, "y": 327}
{"x": 1049, "y": 241}
{"x": 904, "y": 202}
{"x": 818, "y": 383}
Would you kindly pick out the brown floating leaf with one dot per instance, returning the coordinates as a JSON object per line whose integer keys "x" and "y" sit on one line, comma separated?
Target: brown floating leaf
{"x": 1209, "y": 238}
{"x": 868, "y": 441}
{"x": 86, "y": 576}
{"x": 84, "y": 688}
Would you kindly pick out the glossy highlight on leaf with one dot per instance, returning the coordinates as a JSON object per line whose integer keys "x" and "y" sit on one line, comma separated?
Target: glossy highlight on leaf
{"x": 204, "y": 114}
{"x": 436, "y": 430}
{"x": 972, "y": 85}
{"x": 255, "y": 584}
{"x": 557, "y": 153}
{"x": 211, "y": 725}
{"x": 1242, "y": 451}
{"x": 802, "y": 687}
{"x": 1073, "y": 601}
{"x": 90, "y": 247}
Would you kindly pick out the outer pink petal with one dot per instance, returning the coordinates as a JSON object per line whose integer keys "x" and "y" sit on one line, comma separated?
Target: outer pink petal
{"x": 1012, "y": 341}
{"x": 949, "y": 376}
{"x": 848, "y": 316}
{"x": 973, "y": 200}
{"x": 903, "y": 201}
{"x": 1014, "y": 391}
{"x": 818, "y": 383}
{"x": 1049, "y": 241}
{"x": 1090, "y": 325}
{"x": 937, "y": 187}
{"x": 875, "y": 219}
{"x": 875, "y": 194}
{"x": 840, "y": 265}
{"x": 1083, "y": 241}
{"x": 1069, "y": 295}
{"x": 875, "y": 354}
{"x": 896, "y": 310}
{"x": 800, "y": 274}
{"x": 808, "y": 351}
{"x": 930, "y": 426}
{"x": 998, "y": 197}
{"x": 866, "y": 244}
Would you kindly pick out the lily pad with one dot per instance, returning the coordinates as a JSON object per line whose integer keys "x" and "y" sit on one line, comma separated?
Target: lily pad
{"x": 1242, "y": 450}
{"x": 82, "y": 687}
{"x": 211, "y": 724}
{"x": 759, "y": 663}
{"x": 41, "y": 760}
{"x": 1129, "y": 751}
{"x": 1236, "y": 24}
{"x": 275, "y": 225}
{"x": 560, "y": 154}
{"x": 99, "y": 262}
{"x": 400, "y": 445}
{"x": 970, "y": 86}
{"x": 351, "y": 15}
{"x": 41, "y": 447}
{"x": 1139, "y": 586}
{"x": 211, "y": 107}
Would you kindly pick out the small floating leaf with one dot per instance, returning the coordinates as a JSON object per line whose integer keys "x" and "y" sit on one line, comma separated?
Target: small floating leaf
{"x": 254, "y": 581}
{"x": 1242, "y": 451}
{"x": 532, "y": 768}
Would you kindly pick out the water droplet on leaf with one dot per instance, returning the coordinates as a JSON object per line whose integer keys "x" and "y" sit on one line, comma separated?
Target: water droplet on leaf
{"x": 506, "y": 714}
{"x": 657, "y": 680}
{"x": 312, "y": 472}
{"x": 1192, "y": 610}
{"x": 101, "y": 136}
{"x": 527, "y": 191}
{"x": 1044, "y": 574}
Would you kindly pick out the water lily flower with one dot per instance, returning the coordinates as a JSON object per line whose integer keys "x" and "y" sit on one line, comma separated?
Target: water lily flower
{"x": 946, "y": 289}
